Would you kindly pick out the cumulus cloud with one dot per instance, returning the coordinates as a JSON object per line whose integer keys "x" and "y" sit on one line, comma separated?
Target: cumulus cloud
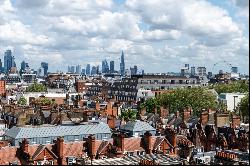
{"x": 162, "y": 33}
{"x": 16, "y": 32}
{"x": 208, "y": 23}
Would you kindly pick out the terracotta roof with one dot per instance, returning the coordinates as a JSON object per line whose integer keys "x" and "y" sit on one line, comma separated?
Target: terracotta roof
{"x": 40, "y": 149}
{"x": 73, "y": 149}
{"x": 133, "y": 144}
{"x": 182, "y": 140}
{"x": 33, "y": 148}
{"x": 156, "y": 141}
{"x": 102, "y": 146}
{"x": 7, "y": 155}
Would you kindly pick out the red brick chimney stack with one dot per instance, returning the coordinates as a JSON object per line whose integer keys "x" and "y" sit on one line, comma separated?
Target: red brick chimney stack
{"x": 25, "y": 145}
{"x": 235, "y": 121}
{"x": 204, "y": 117}
{"x": 92, "y": 147}
{"x": 59, "y": 146}
{"x": 148, "y": 141}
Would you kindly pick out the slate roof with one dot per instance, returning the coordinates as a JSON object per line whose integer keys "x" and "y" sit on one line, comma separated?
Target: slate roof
{"x": 137, "y": 126}
{"x": 56, "y": 131}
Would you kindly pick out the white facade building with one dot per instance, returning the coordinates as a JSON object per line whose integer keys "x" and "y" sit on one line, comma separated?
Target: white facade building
{"x": 231, "y": 99}
{"x": 144, "y": 93}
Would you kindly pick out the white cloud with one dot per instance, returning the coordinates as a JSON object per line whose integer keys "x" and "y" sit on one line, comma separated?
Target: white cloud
{"x": 208, "y": 23}
{"x": 159, "y": 35}
{"x": 16, "y": 32}
{"x": 162, "y": 35}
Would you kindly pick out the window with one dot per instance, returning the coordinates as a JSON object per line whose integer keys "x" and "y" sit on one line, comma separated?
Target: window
{"x": 130, "y": 153}
{"x": 39, "y": 163}
{"x": 71, "y": 160}
{"x": 172, "y": 82}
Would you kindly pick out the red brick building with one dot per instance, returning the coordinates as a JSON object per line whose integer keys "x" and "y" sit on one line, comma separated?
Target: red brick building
{"x": 2, "y": 87}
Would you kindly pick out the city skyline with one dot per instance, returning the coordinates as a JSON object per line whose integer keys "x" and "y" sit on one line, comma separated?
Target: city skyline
{"x": 160, "y": 38}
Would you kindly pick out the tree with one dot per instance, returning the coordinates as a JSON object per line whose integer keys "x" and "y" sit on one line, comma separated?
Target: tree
{"x": 45, "y": 101}
{"x": 236, "y": 86}
{"x": 243, "y": 106}
{"x": 36, "y": 88}
{"x": 150, "y": 104}
{"x": 22, "y": 101}
{"x": 197, "y": 98}
{"x": 128, "y": 115}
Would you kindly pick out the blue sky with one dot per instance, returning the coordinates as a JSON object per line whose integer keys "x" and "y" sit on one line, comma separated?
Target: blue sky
{"x": 157, "y": 35}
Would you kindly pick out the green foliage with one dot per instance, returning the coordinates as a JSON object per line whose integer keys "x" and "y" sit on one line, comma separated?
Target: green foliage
{"x": 128, "y": 115}
{"x": 45, "y": 101}
{"x": 150, "y": 104}
{"x": 22, "y": 101}
{"x": 236, "y": 86}
{"x": 197, "y": 98}
{"x": 243, "y": 106}
{"x": 36, "y": 88}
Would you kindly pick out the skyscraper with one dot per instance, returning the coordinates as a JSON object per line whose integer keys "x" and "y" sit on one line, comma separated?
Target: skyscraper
{"x": 187, "y": 66}
{"x": 122, "y": 64}
{"x": 1, "y": 66}
{"x": 112, "y": 66}
{"x": 78, "y": 69}
{"x": 72, "y": 69}
{"x": 88, "y": 69}
{"x": 40, "y": 72}
{"x": 69, "y": 69}
{"x": 9, "y": 61}
{"x": 23, "y": 65}
{"x": 94, "y": 70}
{"x": 105, "y": 66}
{"x": 202, "y": 71}
{"x": 45, "y": 66}
{"x": 133, "y": 70}
{"x": 192, "y": 71}
{"x": 83, "y": 71}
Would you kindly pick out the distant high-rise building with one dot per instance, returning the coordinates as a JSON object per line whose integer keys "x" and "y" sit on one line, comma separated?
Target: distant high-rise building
{"x": 142, "y": 72}
{"x": 78, "y": 69}
{"x": 202, "y": 71}
{"x": 97, "y": 69}
{"x": 187, "y": 66}
{"x": 112, "y": 66}
{"x": 9, "y": 61}
{"x": 1, "y": 66}
{"x": 40, "y": 72}
{"x": 83, "y": 72}
{"x": 105, "y": 66}
{"x": 122, "y": 65}
{"x": 45, "y": 66}
{"x": 184, "y": 72}
{"x": 24, "y": 67}
{"x": 192, "y": 71}
{"x": 72, "y": 69}
{"x": 234, "y": 69}
{"x": 220, "y": 71}
{"x": 209, "y": 74}
{"x": 133, "y": 70}
{"x": 94, "y": 70}
{"x": 69, "y": 69}
{"x": 88, "y": 69}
